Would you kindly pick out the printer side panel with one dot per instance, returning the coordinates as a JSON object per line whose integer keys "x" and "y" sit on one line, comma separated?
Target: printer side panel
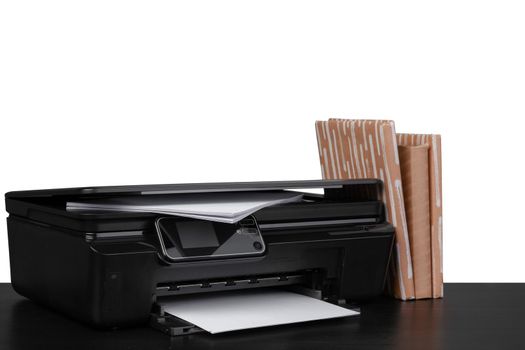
{"x": 50, "y": 266}
{"x": 93, "y": 284}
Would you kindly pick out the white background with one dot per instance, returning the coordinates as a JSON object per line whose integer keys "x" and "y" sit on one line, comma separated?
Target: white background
{"x": 134, "y": 92}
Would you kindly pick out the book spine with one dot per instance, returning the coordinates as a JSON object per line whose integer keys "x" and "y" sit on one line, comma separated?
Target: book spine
{"x": 436, "y": 214}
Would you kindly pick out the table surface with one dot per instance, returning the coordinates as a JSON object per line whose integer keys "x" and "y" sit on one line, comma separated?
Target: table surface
{"x": 471, "y": 316}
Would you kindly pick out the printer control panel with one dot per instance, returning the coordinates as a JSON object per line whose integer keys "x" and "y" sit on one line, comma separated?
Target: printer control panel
{"x": 184, "y": 239}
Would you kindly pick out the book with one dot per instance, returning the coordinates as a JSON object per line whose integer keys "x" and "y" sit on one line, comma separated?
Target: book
{"x": 435, "y": 201}
{"x": 414, "y": 173}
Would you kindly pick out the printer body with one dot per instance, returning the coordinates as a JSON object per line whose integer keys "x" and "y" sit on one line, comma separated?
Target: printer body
{"x": 111, "y": 269}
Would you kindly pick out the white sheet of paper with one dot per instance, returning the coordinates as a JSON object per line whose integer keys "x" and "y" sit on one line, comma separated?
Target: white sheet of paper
{"x": 231, "y": 311}
{"x": 226, "y": 207}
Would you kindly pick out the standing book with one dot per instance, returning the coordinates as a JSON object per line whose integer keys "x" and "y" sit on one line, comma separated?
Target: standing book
{"x": 414, "y": 173}
{"x": 433, "y": 142}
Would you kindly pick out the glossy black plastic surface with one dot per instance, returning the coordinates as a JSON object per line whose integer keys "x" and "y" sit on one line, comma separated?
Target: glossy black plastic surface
{"x": 190, "y": 188}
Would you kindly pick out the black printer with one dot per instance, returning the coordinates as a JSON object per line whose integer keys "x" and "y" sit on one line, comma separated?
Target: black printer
{"x": 110, "y": 269}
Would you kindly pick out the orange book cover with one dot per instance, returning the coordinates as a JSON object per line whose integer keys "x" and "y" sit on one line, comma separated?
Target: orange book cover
{"x": 416, "y": 188}
{"x": 433, "y": 142}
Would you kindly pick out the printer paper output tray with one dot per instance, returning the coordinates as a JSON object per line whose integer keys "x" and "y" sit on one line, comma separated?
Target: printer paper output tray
{"x": 239, "y": 310}
{"x": 108, "y": 269}
{"x": 175, "y": 326}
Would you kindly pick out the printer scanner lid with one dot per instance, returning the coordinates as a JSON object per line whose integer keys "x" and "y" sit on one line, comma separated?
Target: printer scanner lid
{"x": 189, "y": 188}
{"x": 49, "y": 205}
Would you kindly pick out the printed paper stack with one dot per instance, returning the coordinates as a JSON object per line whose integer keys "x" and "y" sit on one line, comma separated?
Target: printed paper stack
{"x": 351, "y": 149}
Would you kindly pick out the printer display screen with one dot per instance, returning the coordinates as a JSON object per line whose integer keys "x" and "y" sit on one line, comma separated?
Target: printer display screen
{"x": 190, "y": 239}
{"x": 197, "y": 234}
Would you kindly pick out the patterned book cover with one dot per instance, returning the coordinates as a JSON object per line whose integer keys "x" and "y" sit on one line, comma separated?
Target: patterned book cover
{"x": 350, "y": 149}
{"x": 433, "y": 142}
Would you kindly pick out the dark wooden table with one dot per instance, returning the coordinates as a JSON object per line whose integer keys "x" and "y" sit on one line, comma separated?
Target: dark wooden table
{"x": 472, "y": 316}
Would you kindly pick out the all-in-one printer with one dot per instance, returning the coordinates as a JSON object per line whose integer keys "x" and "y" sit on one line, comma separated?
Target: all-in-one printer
{"x": 110, "y": 269}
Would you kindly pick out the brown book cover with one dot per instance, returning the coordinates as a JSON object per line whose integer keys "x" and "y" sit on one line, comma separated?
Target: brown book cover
{"x": 350, "y": 149}
{"x": 416, "y": 188}
{"x": 433, "y": 142}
